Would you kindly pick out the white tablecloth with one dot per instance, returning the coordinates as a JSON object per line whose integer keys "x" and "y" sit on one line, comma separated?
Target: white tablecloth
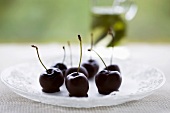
{"x": 152, "y": 54}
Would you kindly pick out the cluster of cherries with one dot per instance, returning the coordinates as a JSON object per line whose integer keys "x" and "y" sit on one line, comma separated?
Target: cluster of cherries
{"x": 76, "y": 78}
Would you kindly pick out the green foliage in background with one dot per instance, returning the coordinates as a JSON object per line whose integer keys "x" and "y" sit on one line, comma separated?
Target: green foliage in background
{"x": 152, "y": 22}
{"x": 62, "y": 20}
{"x": 43, "y": 20}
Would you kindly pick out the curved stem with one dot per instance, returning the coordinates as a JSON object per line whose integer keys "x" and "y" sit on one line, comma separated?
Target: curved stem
{"x": 111, "y": 59}
{"x": 39, "y": 56}
{"x": 111, "y": 32}
{"x": 91, "y": 44}
{"x": 80, "y": 52}
{"x": 70, "y": 53}
{"x": 64, "y": 55}
{"x": 99, "y": 57}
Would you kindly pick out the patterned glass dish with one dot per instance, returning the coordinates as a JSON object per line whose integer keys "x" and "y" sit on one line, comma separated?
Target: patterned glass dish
{"x": 138, "y": 82}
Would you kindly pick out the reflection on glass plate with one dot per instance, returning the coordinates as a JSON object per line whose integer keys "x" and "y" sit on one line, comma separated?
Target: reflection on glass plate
{"x": 138, "y": 81}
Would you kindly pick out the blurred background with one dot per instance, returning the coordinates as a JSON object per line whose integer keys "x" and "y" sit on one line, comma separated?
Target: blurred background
{"x": 43, "y": 21}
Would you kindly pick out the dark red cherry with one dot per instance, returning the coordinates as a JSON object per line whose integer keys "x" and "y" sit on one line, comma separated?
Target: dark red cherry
{"x": 113, "y": 67}
{"x": 74, "y": 69}
{"x": 92, "y": 67}
{"x": 76, "y": 81}
{"x": 108, "y": 81}
{"x": 51, "y": 80}
{"x": 61, "y": 66}
{"x": 77, "y": 84}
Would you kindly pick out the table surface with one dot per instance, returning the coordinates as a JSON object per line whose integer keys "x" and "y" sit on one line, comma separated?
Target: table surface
{"x": 157, "y": 55}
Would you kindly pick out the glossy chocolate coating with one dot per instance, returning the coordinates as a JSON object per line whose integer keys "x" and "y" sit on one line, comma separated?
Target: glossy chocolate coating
{"x": 52, "y": 80}
{"x": 113, "y": 67}
{"x": 108, "y": 81}
{"x": 61, "y": 66}
{"x": 92, "y": 67}
{"x": 74, "y": 69}
{"x": 77, "y": 85}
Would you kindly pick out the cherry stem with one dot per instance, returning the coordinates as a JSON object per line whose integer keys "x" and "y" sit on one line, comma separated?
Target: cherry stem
{"x": 64, "y": 54}
{"x": 79, "y": 37}
{"x": 99, "y": 57}
{"x": 91, "y": 44}
{"x": 111, "y": 32}
{"x": 39, "y": 56}
{"x": 70, "y": 53}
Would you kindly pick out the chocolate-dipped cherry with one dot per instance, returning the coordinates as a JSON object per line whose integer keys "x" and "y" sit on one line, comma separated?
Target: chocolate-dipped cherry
{"x": 62, "y": 66}
{"x": 52, "y": 79}
{"x": 92, "y": 66}
{"x": 74, "y": 69}
{"x": 76, "y": 82}
{"x": 112, "y": 67}
{"x": 107, "y": 81}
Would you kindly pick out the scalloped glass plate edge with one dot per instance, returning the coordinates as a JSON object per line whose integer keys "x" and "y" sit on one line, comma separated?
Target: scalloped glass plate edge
{"x": 114, "y": 102}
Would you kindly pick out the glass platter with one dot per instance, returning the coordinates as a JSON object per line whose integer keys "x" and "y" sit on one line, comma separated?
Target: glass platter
{"x": 138, "y": 81}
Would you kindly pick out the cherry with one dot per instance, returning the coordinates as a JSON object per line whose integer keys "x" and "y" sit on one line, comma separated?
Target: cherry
{"x": 112, "y": 67}
{"x": 51, "y": 79}
{"x": 107, "y": 81}
{"x": 62, "y": 66}
{"x": 92, "y": 66}
{"x": 76, "y": 82}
